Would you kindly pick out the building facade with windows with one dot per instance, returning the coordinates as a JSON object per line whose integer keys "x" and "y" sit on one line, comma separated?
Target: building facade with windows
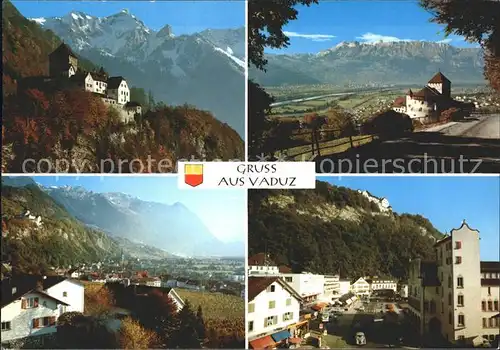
{"x": 260, "y": 264}
{"x": 449, "y": 296}
{"x": 360, "y": 287}
{"x": 31, "y": 306}
{"x": 273, "y": 307}
{"x": 384, "y": 285}
{"x": 310, "y": 287}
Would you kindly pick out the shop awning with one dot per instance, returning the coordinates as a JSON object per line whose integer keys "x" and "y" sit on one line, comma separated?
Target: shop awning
{"x": 281, "y": 335}
{"x": 295, "y": 340}
{"x": 262, "y": 343}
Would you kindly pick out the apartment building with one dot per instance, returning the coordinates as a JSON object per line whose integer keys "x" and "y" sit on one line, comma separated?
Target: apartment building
{"x": 273, "y": 311}
{"x": 309, "y": 286}
{"x": 449, "y": 297}
{"x": 384, "y": 285}
{"x": 331, "y": 287}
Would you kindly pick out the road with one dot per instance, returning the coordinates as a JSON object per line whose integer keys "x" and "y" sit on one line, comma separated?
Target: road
{"x": 472, "y": 145}
{"x": 378, "y": 334}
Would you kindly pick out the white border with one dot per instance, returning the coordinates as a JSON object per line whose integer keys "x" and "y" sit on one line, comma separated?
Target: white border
{"x": 246, "y": 192}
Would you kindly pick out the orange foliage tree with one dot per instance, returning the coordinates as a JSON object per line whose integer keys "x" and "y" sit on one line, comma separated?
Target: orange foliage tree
{"x": 98, "y": 299}
{"x": 133, "y": 336}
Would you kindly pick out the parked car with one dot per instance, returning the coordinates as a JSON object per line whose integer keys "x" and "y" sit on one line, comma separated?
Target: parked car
{"x": 360, "y": 338}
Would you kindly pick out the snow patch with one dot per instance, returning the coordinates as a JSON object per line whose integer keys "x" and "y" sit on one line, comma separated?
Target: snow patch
{"x": 235, "y": 59}
{"x": 229, "y": 51}
{"x": 40, "y": 20}
{"x": 88, "y": 17}
{"x": 75, "y": 16}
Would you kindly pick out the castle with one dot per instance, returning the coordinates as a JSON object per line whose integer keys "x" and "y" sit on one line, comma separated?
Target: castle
{"x": 428, "y": 103}
{"x": 64, "y": 73}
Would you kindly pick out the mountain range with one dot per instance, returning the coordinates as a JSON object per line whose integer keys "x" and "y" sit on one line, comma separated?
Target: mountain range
{"x": 403, "y": 62}
{"x": 205, "y": 69}
{"x": 171, "y": 228}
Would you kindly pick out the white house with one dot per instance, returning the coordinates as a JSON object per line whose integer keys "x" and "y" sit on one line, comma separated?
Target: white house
{"x": 360, "y": 287}
{"x": 331, "y": 289}
{"x": 384, "y": 284}
{"x": 309, "y": 286}
{"x": 344, "y": 286}
{"x": 118, "y": 90}
{"x": 273, "y": 308}
{"x": 31, "y": 306}
{"x": 261, "y": 265}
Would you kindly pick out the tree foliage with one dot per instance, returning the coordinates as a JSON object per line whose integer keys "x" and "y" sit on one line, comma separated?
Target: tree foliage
{"x": 369, "y": 243}
{"x": 478, "y": 21}
{"x": 77, "y": 331}
{"x": 266, "y": 19}
{"x": 133, "y": 336}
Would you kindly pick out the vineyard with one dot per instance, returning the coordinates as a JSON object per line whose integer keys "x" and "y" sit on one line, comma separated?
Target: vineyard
{"x": 223, "y": 313}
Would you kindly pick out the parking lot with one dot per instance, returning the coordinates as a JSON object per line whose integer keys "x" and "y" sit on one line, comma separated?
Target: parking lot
{"x": 379, "y": 334}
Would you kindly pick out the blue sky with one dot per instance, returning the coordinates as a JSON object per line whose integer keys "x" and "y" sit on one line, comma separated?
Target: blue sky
{"x": 326, "y": 24}
{"x": 185, "y": 17}
{"x": 223, "y": 212}
{"x": 445, "y": 201}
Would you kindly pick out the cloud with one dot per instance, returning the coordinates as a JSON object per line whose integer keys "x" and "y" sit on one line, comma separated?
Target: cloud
{"x": 313, "y": 37}
{"x": 445, "y": 41}
{"x": 376, "y": 38}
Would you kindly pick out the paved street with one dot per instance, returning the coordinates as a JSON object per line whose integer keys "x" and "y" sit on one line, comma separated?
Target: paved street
{"x": 378, "y": 334}
{"x": 472, "y": 145}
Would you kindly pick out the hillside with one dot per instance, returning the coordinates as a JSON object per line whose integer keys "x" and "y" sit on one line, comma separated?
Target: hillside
{"x": 335, "y": 230}
{"x": 384, "y": 63}
{"x": 60, "y": 240}
{"x": 75, "y": 125}
{"x": 204, "y": 69}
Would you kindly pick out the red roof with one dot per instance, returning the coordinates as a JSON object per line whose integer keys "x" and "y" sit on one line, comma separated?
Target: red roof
{"x": 439, "y": 78}
{"x": 285, "y": 269}
{"x": 262, "y": 343}
{"x": 257, "y": 284}
{"x": 260, "y": 259}
{"x": 400, "y": 101}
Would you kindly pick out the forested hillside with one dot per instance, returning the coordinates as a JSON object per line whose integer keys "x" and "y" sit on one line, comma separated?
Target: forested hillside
{"x": 336, "y": 230}
{"x": 77, "y": 128}
{"x": 60, "y": 240}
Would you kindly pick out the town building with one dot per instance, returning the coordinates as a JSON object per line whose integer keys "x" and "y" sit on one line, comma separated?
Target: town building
{"x": 273, "y": 311}
{"x": 403, "y": 290}
{"x": 331, "y": 288}
{"x": 448, "y": 297}
{"x": 261, "y": 264}
{"x": 309, "y": 286}
{"x": 64, "y": 73}
{"x": 427, "y": 104}
{"x": 384, "y": 285}
{"x": 32, "y": 304}
{"x": 344, "y": 286}
{"x": 361, "y": 287}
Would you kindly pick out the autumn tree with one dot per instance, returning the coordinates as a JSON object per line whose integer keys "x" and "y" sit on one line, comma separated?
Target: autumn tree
{"x": 133, "y": 336}
{"x": 478, "y": 21}
{"x": 99, "y": 300}
{"x": 266, "y": 19}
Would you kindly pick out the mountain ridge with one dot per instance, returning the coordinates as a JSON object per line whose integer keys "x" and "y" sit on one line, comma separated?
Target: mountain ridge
{"x": 177, "y": 69}
{"x": 402, "y": 62}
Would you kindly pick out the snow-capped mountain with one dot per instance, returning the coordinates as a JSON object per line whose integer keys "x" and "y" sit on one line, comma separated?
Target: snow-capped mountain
{"x": 401, "y": 62}
{"x": 205, "y": 69}
{"x": 173, "y": 228}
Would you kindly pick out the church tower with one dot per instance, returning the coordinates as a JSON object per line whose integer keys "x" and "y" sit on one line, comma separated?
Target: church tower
{"x": 63, "y": 62}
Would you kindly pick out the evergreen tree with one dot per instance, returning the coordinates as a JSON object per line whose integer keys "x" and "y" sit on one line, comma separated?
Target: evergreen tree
{"x": 186, "y": 336}
{"x": 200, "y": 325}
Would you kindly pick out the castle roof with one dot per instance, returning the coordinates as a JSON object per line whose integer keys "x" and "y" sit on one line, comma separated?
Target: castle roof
{"x": 439, "y": 78}
{"x": 114, "y": 82}
{"x": 63, "y": 49}
{"x": 98, "y": 76}
{"x": 399, "y": 102}
{"x": 427, "y": 93}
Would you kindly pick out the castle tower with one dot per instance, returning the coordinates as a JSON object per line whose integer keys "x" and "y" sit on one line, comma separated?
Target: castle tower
{"x": 441, "y": 84}
{"x": 62, "y": 62}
